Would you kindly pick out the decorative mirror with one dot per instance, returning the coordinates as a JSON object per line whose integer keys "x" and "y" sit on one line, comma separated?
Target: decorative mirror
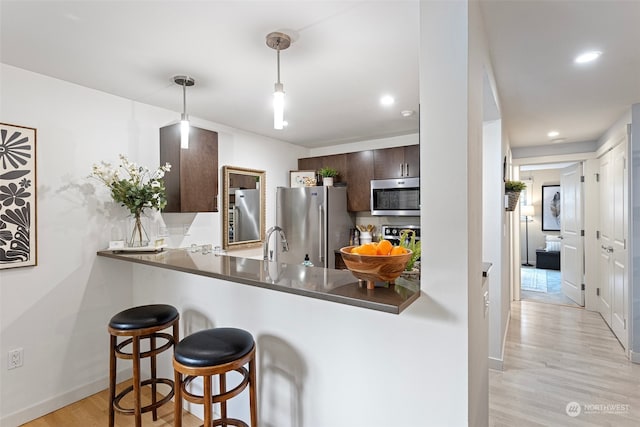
{"x": 243, "y": 207}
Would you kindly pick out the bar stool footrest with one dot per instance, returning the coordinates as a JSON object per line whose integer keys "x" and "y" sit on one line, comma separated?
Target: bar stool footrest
{"x": 150, "y": 407}
{"x": 229, "y": 421}
{"x": 143, "y": 355}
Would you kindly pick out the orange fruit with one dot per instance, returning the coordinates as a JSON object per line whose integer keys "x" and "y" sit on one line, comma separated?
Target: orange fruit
{"x": 398, "y": 250}
{"x": 366, "y": 249}
{"x": 384, "y": 247}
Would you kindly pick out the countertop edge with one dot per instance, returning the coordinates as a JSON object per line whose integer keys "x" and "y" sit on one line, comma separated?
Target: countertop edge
{"x": 386, "y": 307}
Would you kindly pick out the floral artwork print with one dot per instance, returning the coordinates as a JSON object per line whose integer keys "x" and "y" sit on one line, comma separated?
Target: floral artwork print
{"x": 17, "y": 196}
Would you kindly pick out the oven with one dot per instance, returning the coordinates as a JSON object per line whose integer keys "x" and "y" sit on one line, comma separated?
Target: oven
{"x": 392, "y": 232}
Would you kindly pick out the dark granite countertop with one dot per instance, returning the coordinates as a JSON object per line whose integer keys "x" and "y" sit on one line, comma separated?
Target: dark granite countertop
{"x": 338, "y": 286}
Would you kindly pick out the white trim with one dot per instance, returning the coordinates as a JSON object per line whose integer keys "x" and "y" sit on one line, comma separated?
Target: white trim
{"x": 54, "y": 403}
{"x": 634, "y": 356}
{"x": 498, "y": 363}
{"x": 555, "y": 158}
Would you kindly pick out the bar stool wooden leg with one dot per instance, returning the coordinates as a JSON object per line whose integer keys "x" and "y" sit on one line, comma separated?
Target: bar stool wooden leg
{"x": 208, "y": 397}
{"x": 112, "y": 378}
{"x": 223, "y": 388}
{"x": 177, "y": 397}
{"x": 137, "y": 401}
{"x": 253, "y": 395}
{"x": 154, "y": 399}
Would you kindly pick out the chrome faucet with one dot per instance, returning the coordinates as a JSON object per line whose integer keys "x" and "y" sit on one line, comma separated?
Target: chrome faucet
{"x": 265, "y": 246}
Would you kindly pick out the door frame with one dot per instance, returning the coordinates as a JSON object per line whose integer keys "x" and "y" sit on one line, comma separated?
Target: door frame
{"x": 590, "y": 167}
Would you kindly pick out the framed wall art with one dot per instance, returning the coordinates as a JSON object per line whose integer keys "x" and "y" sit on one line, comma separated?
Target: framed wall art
{"x": 551, "y": 215}
{"x": 302, "y": 178}
{"x": 18, "y": 240}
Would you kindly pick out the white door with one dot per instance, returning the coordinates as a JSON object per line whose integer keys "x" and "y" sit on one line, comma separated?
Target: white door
{"x": 619, "y": 255}
{"x": 571, "y": 253}
{"x": 613, "y": 286}
{"x": 606, "y": 238}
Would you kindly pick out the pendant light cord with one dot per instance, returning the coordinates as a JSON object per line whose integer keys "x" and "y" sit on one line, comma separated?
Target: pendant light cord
{"x": 278, "y": 56}
{"x": 184, "y": 100}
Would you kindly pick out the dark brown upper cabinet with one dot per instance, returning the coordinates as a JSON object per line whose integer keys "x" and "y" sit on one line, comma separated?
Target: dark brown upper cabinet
{"x": 192, "y": 183}
{"x": 397, "y": 162}
{"x": 335, "y": 161}
{"x": 359, "y": 176}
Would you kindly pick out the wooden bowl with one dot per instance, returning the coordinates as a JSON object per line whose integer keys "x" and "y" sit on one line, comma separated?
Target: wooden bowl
{"x": 386, "y": 268}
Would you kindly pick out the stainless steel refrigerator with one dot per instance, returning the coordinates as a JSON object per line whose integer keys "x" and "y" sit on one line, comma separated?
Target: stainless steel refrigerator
{"x": 246, "y": 215}
{"x": 315, "y": 222}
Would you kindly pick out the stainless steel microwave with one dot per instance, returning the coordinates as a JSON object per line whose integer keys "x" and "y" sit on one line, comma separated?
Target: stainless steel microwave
{"x": 395, "y": 197}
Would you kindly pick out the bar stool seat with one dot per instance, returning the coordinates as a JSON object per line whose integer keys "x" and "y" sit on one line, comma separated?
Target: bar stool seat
{"x": 136, "y": 324}
{"x": 209, "y": 353}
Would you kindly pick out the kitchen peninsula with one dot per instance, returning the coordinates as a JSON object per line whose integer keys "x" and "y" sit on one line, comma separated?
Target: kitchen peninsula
{"x": 338, "y": 286}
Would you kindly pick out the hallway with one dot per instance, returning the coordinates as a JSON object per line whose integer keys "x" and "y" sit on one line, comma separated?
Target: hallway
{"x": 543, "y": 286}
{"x": 556, "y": 355}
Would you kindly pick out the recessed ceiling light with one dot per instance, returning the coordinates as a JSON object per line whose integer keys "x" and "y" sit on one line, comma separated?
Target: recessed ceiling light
{"x": 387, "y": 100}
{"x": 558, "y": 140}
{"x": 589, "y": 56}
{"x": 407, "y": 113}
{"x": 553, "y": 134}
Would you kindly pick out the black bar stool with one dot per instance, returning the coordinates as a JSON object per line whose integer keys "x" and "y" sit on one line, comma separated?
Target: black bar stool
{"x": 215, "y": 352}
{"x": 138, "y": 323}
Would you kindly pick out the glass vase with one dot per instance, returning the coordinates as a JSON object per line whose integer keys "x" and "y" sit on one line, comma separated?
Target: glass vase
{"x": 138, "y": 236}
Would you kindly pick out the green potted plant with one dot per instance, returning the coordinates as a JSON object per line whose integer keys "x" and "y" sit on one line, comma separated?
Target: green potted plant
{"x": 408, "y": 240}
{"x": 512, "y": 190}
{"x": 328, "y": 174}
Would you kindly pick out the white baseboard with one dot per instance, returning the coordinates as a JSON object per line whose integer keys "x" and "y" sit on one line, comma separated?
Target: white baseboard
{"x": 56, "y": 402}
{"x": 634, "y": 357}
{"x": 496, "y": 364}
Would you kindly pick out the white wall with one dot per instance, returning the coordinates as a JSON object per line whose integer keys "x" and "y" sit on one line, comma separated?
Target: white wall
{"x": 451, "y": 100}
{"x": 58, "y": 311}
{"x": 493, "y": 208}
{"x": 634, "y": 227}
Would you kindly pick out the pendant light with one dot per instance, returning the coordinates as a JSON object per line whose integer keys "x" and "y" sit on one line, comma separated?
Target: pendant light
{"x": 184, "y": 81}
{"x": 278, "y": 41}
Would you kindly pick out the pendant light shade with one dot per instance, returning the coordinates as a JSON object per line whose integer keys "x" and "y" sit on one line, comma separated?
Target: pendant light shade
{"x": 278, "y": 41}
{"x": 184, "y": 81}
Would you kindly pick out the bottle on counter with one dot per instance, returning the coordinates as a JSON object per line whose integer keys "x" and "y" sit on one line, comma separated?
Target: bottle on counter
{"x": 307, "y": 262}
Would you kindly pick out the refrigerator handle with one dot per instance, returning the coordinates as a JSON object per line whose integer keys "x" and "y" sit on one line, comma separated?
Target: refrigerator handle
{"x": 321, "y": 232}
{"x": 236, "y": 223}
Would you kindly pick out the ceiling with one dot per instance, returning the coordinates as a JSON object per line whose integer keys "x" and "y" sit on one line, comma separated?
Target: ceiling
{"x": 345, "y": 55}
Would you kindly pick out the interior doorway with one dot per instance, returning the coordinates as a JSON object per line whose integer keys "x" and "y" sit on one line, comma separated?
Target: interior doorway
{"x": 541, "y": 277}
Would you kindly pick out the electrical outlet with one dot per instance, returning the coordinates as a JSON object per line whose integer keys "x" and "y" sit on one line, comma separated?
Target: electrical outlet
{"x": 15, "y": 358}
{"x": 185, "y": 230}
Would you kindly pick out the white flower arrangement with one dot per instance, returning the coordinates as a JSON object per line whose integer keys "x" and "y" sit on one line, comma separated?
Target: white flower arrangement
{"x": 135, "y": 187}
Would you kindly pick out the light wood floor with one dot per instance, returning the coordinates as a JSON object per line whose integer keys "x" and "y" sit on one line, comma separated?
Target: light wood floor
{"x": 556, "y": 355}
{"x": 93, "y": 411}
